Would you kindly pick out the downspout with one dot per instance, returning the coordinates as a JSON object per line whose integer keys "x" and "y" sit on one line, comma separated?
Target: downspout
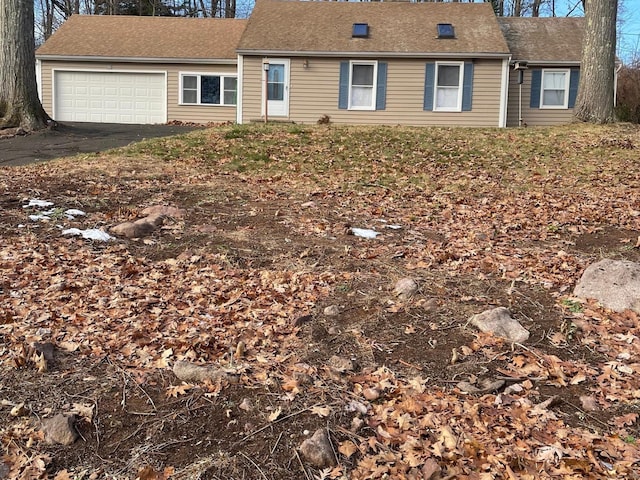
{"x": 240, "y": 70}
{"x": 504, "y": 93}
{"x": 39, "y": 78}
{"x": 615, "y": 84}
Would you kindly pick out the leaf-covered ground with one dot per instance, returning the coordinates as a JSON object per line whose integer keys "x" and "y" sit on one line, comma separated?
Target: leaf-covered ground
{"x": 478, "y": 218}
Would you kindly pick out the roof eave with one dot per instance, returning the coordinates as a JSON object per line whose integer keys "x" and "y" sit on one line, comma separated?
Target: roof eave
{"x": 282, "y": 53}
{"x": 99, "y": 59}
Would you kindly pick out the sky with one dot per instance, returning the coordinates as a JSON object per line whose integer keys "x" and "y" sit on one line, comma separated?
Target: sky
{"x": 629, "y": 41}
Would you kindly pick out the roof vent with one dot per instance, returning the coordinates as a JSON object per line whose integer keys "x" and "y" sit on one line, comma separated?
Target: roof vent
{"x": 445, "y": 30}
{"x": 360, "y": 30}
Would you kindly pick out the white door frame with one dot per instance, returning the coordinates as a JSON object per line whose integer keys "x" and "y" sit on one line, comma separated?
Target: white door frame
{"x": 277, "y": 108}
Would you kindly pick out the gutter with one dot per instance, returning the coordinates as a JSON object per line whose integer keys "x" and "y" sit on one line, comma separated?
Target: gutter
{"x": 544, "y": 63}
{"x": 91, "y": 58}
{"x": 281, "y": 53}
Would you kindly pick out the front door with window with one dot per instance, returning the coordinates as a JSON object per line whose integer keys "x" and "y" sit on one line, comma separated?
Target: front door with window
{"x": 277, "y": 87}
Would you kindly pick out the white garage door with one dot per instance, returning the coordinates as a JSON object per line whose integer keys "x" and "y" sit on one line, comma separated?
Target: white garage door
{"x": 110, "y": 97}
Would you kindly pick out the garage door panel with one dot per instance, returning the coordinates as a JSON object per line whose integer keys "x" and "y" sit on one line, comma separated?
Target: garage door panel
{"x": 110, "y": 97}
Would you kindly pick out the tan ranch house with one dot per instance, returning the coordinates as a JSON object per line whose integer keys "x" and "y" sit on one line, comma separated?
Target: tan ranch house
{"x": 392, "y": 63}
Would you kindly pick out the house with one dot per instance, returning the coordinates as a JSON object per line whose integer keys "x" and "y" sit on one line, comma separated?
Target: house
{"x": 548, "y": 52}
{"x": 393, "y": 63}
{"x": 127, "y": 69}
{"x": 374, "y": 63}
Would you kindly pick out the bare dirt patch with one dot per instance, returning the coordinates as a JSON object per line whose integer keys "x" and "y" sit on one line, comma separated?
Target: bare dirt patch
{"x": 243, "y": 281}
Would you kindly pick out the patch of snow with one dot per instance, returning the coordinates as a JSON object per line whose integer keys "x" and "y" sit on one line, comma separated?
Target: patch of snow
{"x": 39, "y": 216}
{"x": 90, "y": 234}
{"x": 364, "y": 232}
{"x": 74, "y": 212}
{"x": 34, "y": 202}
{"x": 393, "y": 227}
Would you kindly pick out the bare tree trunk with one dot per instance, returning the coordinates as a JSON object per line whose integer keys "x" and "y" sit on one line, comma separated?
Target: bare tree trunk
{"x": 19, "y": 103}
{"x": 535, "y": 8}
{"x": 596, "y": 90}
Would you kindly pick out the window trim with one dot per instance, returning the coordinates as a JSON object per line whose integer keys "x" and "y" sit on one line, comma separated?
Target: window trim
{"x": 199, "y": 76}
{"x": 567, "y": 80}
{"x": 458, "y": 107}
{"x": 374, "y": 86}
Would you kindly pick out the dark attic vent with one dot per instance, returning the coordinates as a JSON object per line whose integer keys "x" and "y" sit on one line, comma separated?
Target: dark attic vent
{"x": 445, "y": 30}
{"x": 360, "y": 30}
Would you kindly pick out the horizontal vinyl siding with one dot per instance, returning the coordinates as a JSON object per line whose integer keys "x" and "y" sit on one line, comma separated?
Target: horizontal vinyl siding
{"x": 175, "y": 112}
{"x": 532, "y": 116}
{"x": 252, "y": 89}
{"x": 314, "y": 93}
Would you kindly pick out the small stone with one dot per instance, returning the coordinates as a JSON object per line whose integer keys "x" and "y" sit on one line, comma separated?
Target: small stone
{"x": 246, "y": 404}
{"x": 60, "y": 429}
{"x": 19, "y": 411}
{"x": 318, "y": 451}
{"x": 405, "y": 288}
{"x": 189, "y": 372}
{"x": 140, "y": 228}
{"x": 341, "y": 364}
{"x": 498, "y": 321}
{"x": 484, "y": 386}
{"x": 589, "y": 403}
{"x": 332, "y": 310}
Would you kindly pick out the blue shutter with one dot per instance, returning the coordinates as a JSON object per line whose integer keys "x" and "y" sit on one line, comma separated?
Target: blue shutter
{"x": 467, "y": 87}
{"x": 574, "y": 80}
{"x": 429, "y": 85}
{"x": 343, "y": 95}
{"x": 536, "y": 85}
{"x": 381, "y": 88}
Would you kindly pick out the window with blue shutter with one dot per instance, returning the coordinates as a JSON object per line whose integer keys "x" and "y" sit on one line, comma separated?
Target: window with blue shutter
{"x": 429, "y": 86}
{"x": 381, "y": 88}
{"x": 574, "y": 80}
{"x": 536, "y": 85}
{"x": 448, "y": 86}
{"x": 362, "y": 85}
{"x": 343, "y": 95}
{"x": 467, "y": 87}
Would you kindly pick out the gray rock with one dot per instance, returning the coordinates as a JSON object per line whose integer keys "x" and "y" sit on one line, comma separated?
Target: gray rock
{"x": 318, "y": 451}
{"x": 60, "y": 429}
{"x": 615, "y": 284}
{"x": 405, "y": 288}
{"x": 498, "y": 321}
{"x": 332, "y": 310}
{"x": 142, "y": 227}
{"x": 190, "y": 372}
{"x": 341, "y": 364}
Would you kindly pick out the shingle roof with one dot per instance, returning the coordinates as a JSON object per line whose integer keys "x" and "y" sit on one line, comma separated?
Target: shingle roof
{"x": 543, "y": 40}
{"x": 145, "y": 37}
{"x": 397, "y": 28}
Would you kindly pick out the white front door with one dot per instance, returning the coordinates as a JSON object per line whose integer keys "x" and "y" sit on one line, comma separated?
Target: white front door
{"x": 277, "y": 87}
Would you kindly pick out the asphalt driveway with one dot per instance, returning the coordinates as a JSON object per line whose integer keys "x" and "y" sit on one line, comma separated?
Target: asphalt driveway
{"x": 73, "y": 138}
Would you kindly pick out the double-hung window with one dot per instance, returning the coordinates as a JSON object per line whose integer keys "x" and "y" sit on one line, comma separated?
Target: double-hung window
{"x": 555, "y": 89}
{"x": 448, "y": 85}
{"x": 362, "y": 85}
{"x": 204, "y": 89}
